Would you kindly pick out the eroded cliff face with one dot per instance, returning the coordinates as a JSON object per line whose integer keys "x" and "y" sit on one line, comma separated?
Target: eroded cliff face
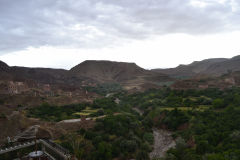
{"x": 14, "y": 93}
{"x": 225, "y": 81}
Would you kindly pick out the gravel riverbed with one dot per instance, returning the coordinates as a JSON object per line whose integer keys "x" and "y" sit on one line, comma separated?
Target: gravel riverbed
{"x": 163, "y": 141}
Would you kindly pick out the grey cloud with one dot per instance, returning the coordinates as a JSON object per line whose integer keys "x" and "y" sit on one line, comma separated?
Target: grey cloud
{"x": 100, "y": 23}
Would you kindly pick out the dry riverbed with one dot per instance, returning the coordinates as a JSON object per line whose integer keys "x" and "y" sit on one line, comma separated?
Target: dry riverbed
{"x": 163, "y": 141}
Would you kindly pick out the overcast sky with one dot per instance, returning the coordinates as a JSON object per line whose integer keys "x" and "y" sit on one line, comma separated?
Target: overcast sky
{"x": 151, "y": 33}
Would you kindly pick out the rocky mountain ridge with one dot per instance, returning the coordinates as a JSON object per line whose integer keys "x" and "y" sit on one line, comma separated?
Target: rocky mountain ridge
{"x": 86, "y": 73}
{"x": 208, "y": 67}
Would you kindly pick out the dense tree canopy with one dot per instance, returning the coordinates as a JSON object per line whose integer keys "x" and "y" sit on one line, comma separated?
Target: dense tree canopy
{"x": 205, "y": 124}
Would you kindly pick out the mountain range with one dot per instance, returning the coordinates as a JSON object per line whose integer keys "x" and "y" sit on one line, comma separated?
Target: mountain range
{"x": 85, "y": 72}
{"x": 208, "y": 67}
{"x": 129, "y": 75}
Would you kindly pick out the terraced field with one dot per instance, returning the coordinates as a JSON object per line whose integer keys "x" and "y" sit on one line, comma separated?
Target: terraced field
{"x": 199, "y": 108}
{"x": 87, "y": 112}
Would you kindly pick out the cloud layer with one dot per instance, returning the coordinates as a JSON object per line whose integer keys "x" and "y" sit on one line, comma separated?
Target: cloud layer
{"x": 101, "y": 23}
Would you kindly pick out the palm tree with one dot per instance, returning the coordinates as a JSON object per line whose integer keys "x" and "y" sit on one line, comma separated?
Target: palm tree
{"x": 77, "y": 142}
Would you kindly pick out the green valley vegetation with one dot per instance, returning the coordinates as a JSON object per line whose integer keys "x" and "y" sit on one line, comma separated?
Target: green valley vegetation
{"x": 204, "y": 123}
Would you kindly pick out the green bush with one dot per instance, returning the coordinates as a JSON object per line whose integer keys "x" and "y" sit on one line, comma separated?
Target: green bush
{"x": 218, "y": 103}
{"x": 149, "y": 138}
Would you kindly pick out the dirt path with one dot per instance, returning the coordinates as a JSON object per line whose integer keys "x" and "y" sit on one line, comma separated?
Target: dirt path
{"x": 162, "y": 142}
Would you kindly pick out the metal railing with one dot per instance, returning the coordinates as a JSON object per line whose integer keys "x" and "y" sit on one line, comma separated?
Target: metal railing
{"x": 53, "y": 147}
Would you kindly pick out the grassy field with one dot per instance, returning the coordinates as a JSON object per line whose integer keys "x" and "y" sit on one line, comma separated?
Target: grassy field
{"x": 199, "y": 108}
{"x": 86, "y": 112}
